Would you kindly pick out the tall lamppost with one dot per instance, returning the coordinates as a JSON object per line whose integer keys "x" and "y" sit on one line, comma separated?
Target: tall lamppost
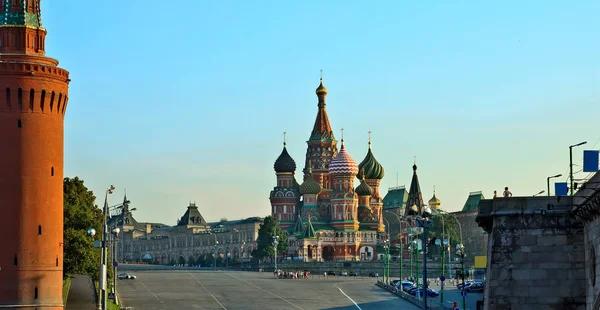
{"x": 103, "y": 263}
{"x": 410, "y": 253}
{"x": 386, "y": 260}
{"x": 423, "y": 220}
{"x": 460, "y": 252}
{"x": 400, "y": 238}
{"x": 416, "y": 255}
{"x": 115, "y": 238}
{"x": 571, "y": 162}
{"x": 275, "y": 242}
{"x": 548, "y": 179}
{"x": 442, "y": 245}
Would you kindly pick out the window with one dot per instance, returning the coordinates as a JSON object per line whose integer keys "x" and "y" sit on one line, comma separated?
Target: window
{"x": 52, "y": 171}
{"x": 35, "y": 293}
{"x": 19, "y": 124}
{"x": 39, "y": 230}
{"x": 16, "y": 261}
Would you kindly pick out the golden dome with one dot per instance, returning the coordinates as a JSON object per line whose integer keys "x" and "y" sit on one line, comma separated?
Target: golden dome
{"x": 321, "y": 90}
{"x": 434, "y": 202}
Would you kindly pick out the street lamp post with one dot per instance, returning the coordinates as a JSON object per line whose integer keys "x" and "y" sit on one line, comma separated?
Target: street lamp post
{"x": 400, "y": 238}
{"x": 424, "y": 221}
{"x": 548, "y": 179}
{"x": 275, "y": 242}
{"x": 115, "y": 233}
{"x": 460, "y": 252}
{"x": 571, "y": 162}
{"x": 103, "y": 263}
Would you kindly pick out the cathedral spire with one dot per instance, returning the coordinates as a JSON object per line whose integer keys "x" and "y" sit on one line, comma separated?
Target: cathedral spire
{"x": 322, "y": 128}
{"x": 415, "y": 198}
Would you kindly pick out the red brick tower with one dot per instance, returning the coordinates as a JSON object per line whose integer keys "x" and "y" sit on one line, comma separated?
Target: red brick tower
{"x": 33, "y": 101}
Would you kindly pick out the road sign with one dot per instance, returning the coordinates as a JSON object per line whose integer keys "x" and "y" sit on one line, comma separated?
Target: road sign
{"x": 115, "y": 264}
{"x": 463, "y": 293}
{"x": 383, "y": 265}
{"x": 442, "y": 278}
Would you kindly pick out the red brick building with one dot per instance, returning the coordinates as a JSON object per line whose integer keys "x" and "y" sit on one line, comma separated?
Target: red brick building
{"x": 327, "y": 217}
{"x": 33, "y": 102}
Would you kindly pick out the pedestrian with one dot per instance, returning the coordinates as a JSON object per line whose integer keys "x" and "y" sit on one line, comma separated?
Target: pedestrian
{"x": 495, "y": 194}
{"x": 507, "y": 193}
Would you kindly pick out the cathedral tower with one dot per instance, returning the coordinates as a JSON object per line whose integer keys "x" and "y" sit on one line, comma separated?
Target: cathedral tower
{"x": 285, "y": 197}
{"x": 32, "y": 108}
{"x": 344, "y": 201}
{"x": 373, "y": 173}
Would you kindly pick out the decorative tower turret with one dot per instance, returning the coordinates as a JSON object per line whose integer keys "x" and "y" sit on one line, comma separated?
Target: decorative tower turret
{"x": 366, "y": 217}
{"x": 415, "y": 198}
{"x": 309, "y": 190}
{"x": 322, "y": 148}
{"x": 373, "y": 173}
{"x": 285, "y": 197}
{"x": 32, "y": 108}
{"x": 344, "y": 201}
{"x": 434, "y": 202}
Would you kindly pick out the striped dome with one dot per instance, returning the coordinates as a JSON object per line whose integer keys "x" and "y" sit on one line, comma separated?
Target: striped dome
{"x": 343, "y": 164}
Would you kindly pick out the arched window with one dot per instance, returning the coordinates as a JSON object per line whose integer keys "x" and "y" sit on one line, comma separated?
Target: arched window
{"x": 39, "y": 230}
{"x": 19, "y": 124}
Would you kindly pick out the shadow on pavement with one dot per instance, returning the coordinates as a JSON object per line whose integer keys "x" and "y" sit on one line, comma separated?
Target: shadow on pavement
{"x": 82, "y": 294}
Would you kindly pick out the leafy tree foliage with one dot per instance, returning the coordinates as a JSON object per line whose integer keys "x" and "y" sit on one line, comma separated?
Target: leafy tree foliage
{"x": 268, "y": 229}
{"x": 80, "y": 214}
{"x": 444, "y": 225}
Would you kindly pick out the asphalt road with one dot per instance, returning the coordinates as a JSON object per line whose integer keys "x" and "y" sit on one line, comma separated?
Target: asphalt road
{"x": 251, "y": 290}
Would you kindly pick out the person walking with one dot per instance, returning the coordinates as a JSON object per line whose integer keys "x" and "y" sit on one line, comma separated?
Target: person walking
{"x": 507, "y": 193}
{"x": 495, "y": 194}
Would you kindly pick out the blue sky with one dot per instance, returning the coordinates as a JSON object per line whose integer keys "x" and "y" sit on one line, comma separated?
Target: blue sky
{"x": 188, "y": 101}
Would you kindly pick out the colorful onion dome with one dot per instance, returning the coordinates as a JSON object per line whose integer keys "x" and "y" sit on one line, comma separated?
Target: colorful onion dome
{"x": 285, "y": 162}
{"x": 373, "y": 169}
{"x": 310, "y": 186}
{"x": 343, "y": 164}
{"x": 364, "y": 189}
{"x": 321, "y": 90}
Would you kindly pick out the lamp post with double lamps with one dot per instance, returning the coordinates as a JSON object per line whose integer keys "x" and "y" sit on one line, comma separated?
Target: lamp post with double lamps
{"x": 400, "y": 236}
{"x": 423, "y": 220}
{"x": 103, "y": 263}
{"x": 571, "y": 162}
{"x": 115, "y": 233}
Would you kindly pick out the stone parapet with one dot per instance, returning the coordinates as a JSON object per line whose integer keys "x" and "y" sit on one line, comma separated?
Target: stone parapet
{"x": 536, "y": 254}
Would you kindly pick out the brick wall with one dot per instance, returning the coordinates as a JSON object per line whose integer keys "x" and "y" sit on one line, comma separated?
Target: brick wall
{"x": 592, "y": 258}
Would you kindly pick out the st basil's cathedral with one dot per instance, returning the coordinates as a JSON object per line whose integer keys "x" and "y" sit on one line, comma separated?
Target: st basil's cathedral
{"x": 327, "y": 217}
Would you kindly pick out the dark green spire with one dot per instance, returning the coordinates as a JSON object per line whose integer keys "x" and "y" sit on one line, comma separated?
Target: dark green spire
{"x": 299, "y": 227}
{"x": 310, "y": 233}
{"x": 25, "y": 13}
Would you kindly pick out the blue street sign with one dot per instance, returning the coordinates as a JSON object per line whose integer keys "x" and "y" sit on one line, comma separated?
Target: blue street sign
{"x": 463, "y": 293}
{"x": 590, "y": 161}
{"x": 115, "y": 263}
{"x": 442, "y": 278}
{"x": 561, "y": 189}
{"x": 383, "y": 265}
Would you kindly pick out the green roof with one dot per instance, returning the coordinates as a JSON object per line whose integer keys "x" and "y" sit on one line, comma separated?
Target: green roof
{"x": 310, "y": 233}
{"x": 396, "y": 197}
{"x": 473, "y": 201}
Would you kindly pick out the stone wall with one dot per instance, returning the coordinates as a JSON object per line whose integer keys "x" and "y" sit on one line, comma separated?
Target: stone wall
{"x": 536, "y": 256}
{"x": 592, "y": 242}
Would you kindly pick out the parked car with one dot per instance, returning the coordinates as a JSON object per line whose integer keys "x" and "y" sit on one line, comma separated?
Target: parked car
{"x": 331, "y": 273}
{"x": 343, "y": 273}
{"x": 475, "y": 287}
{"x": 373, "y": 274}
{"x": 125, "y": 275}
{"x": 460, "y": 285}
{"x": 430, "y": 292}
{"x": 353, "y": 274}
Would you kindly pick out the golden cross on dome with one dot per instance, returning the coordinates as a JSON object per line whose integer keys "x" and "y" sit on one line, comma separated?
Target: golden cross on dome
{"x": 321, "y": 74}
{"x": 284, "y": 138}
{"x": 369, "y": 138}
{"x": 342, "y": 135}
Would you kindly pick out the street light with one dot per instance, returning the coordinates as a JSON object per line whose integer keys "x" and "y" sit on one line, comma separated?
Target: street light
{"x": 571, "y": 162}
{"x": 460, "y": 252}
{"x": 424, "y": 221}
{"x": 275, "y": 241}
{"x": 539, "y": 193}
{"x": 552, "y": 177}
{"x": 401, "y": 245}
{"x": 104, "y": 253}
{"x": 115, "y": 233}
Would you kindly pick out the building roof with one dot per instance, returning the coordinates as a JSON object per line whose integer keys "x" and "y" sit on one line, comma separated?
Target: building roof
{"x": 473, "y": 201}
{"x": 192, "y": 217}
{"x": 343, "y": 163}
{"x": 415, "y": 198}
{"x": 372, "y": 168}
{"x": 396, "y": 197}
{"x": 285, "y": 162}
{"x": 309, "y": 233}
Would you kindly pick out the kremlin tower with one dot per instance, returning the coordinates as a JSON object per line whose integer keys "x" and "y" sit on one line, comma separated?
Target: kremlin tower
{"x": 32, "y": 109}
{"x": 331, "y": 219}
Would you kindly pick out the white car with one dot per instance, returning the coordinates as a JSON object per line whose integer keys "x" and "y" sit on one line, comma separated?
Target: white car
{"x": 125, "y": 275}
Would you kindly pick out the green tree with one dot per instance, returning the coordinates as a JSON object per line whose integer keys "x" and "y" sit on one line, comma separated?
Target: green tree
{"x": 444, "y": 225}
{"x": 268, "y": 229}
{"x": 80, "y": 214}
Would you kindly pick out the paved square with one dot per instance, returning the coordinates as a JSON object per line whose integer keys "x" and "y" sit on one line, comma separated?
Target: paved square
{"x": 182, "y": 289}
